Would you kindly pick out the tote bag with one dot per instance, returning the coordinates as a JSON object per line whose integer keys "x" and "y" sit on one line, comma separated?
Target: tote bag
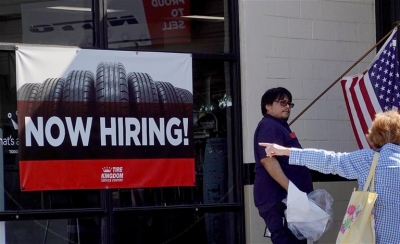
{"x": 358, "y": 226}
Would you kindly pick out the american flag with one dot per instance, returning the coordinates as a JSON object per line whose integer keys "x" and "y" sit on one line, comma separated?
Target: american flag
{"x": 375, "y": 90}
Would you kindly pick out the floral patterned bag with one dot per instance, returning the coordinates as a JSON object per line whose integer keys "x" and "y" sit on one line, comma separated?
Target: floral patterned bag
{"x": 358, "y": 224}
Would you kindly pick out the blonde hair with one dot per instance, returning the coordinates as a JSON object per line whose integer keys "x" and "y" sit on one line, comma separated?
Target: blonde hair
{"x": 385, "y": 129}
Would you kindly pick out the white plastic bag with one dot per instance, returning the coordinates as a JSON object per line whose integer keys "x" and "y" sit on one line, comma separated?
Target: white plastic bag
{"x": 308, "y": 216}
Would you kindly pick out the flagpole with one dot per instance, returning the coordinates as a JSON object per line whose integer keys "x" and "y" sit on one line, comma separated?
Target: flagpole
{"x": 397, "y": 24}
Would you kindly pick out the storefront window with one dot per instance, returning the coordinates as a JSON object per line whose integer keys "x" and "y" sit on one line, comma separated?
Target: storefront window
{"x": 212, "y": 105}
{"x": 209, "y": 211}
{"x": 65, "y": 22}
{"x": 77, "y": 230}
{"x": 9, "y": 136}
{"x": 167, "y": 25}
{"x": 174, "y": 227}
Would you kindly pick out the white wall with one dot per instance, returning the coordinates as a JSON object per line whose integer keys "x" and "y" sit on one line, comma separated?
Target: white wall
{"x": 303, "y": 45}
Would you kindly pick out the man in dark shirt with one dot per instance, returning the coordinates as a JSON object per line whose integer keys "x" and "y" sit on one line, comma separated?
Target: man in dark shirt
{"x": 273, "y": 174}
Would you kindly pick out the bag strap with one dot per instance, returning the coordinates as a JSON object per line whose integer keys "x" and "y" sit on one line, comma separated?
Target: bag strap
{"x": 371, "y": 175}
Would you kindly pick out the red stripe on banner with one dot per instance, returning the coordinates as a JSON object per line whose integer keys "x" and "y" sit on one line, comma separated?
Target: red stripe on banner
{"x": 346, "y": 94}
{"x": 106, "y": 174}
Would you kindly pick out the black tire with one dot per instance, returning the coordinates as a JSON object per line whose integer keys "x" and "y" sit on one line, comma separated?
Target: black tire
{"x": 184, "y": 95}
{"x": 49, "y": 96}
{"x": 27, "y": 93}
{"x": 186, "y": 99}
{"x": 167, "y": 98}
{"x": 79, "y": 94}
{"x": 143, "y": 96}
{"x": 112, "y": 94}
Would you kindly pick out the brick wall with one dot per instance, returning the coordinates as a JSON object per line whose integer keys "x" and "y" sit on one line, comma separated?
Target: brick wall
{"x": 303, "y": 45}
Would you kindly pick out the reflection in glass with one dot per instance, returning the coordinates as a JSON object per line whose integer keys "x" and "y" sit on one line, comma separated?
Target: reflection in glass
{"x": 58, "y": 23}
{"x": 182, "y": 25}
{"x": 173, "y": 228}
{"x": 65, "y": 22}
{"x": 83, "y": 230}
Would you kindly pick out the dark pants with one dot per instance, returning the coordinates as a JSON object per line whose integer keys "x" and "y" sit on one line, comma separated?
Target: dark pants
{"x": 276, "y": 222}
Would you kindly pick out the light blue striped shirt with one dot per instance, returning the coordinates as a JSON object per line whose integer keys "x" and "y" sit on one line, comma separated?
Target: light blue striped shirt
{"x": 355, "y": 165}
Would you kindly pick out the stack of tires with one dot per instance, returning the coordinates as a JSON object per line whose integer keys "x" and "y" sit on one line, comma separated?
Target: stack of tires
{"x": 110, "y": 92}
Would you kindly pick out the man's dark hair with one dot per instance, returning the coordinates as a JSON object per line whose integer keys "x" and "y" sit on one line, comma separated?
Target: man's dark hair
{"x": 272, "y": 95}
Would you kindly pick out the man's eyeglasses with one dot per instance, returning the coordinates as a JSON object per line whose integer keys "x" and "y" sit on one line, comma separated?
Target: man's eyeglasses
{"x": 283, "y": 103}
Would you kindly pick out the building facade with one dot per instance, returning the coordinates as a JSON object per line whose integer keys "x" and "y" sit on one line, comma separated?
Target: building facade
{"x": 239, "y": 49}
{"x": 306, "y": 46}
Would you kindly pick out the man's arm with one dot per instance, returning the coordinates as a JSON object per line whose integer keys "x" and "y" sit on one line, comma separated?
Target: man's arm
{"x": 274, "y": 169}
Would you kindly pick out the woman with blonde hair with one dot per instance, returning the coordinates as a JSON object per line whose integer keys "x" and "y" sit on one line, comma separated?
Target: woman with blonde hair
{"x": 384, "y": 137}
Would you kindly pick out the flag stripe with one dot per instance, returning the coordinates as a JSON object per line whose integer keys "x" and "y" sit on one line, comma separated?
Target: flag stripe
{"x": 362, "y": 127}
{"x": 362, "y": 110}
{"x": 367, "y": 106}
{"x": 348, "y": 100}
{"x": 371, "y": 96}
